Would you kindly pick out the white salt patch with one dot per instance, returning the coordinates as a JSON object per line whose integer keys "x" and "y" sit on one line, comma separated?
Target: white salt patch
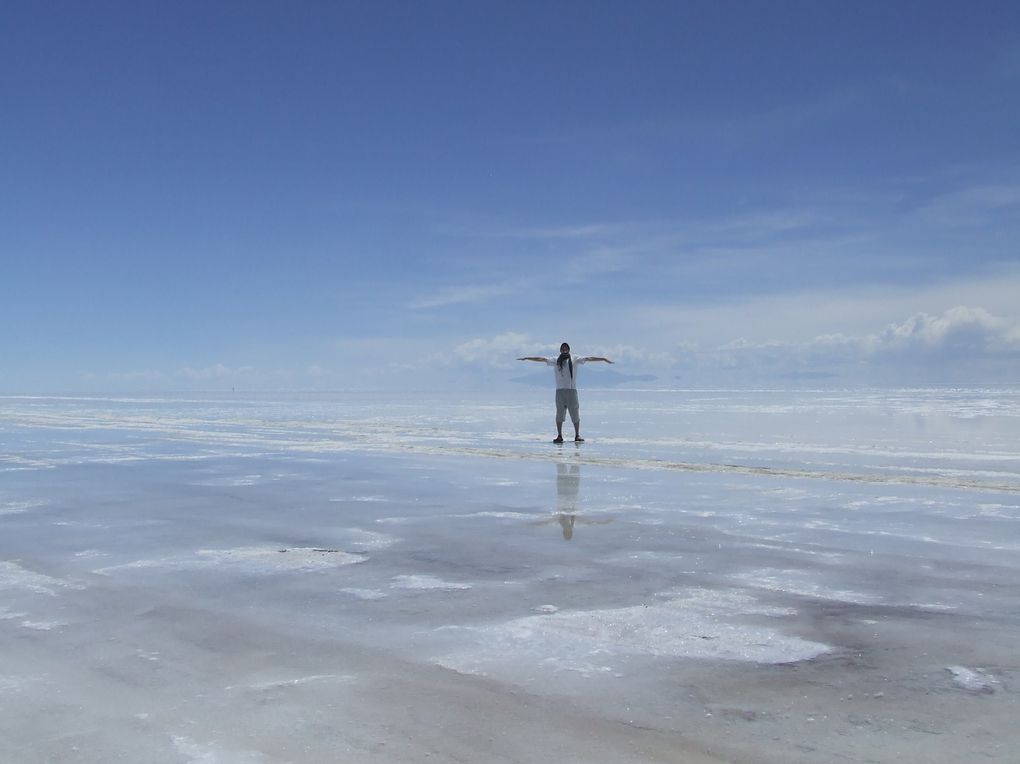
{"x": 232, "y": 482}
{"x": 199, "y": 753}
{"x": 281, "y": 683}
{"x": 698, "y": 624}
{"x": 259, "y": 559}
{"x": 9, "y": 683}
{"x": 499, "y": 515}
{"x": 546, "y": 609}
{"x": 159, "y": 562}
{"x": 17, "y": 507}
{"x": 282, "y": 558}
{"x": 364, "y": 594}
{"x": 425, "y": 582}
{"x": 13, "y": 576}
{"x": 362, "y": 539}
{"x": 88, "y": 554}
{"x": 973, "y": 680}
{"x": 997, "y": 510}
{"x": 802, "y": 583}
{"x": 649, "y": 556}
{"x": 937, "y": 606}
{"x": 42, "y": 625}
{"x": 374, "y": 499}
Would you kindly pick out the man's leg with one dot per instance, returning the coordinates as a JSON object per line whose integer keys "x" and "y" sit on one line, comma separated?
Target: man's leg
{"x": 561, "y": 415}
{"x": 575, "y": 416}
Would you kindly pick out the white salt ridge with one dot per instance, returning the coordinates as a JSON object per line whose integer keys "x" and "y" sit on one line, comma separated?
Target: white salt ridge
{"x": 421, "y": 436}
{"x": 232, "y": 482}
{"x": 698, "y": 624}
{"x": 259, "y": 559}
{"x": 13, "y": 576}
{"x": 282, "y": 558}
{"x": 89, "y": 554}
{"x": 364, "y": 594}
{"x": 425, "y": 582}
{"x": 283, "y": 683}
{"x": 362, "y": 539}
{"x": 18, "y": 507}
{"x": 42, "y": 625}
{"x": 493, "y": 514}
{"x": 801, "y": 582}
{"x": 205, "y": 753}
{"x": 9, "y": 684}
{"x": 973, "y": 680}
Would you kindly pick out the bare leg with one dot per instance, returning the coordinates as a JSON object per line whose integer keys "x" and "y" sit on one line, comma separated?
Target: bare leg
{"x": 559, "y": 432}
{"x": 577, "y": 432}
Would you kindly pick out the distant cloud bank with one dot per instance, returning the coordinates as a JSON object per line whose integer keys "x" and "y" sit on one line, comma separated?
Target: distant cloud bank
{"x": 963, "y": 344}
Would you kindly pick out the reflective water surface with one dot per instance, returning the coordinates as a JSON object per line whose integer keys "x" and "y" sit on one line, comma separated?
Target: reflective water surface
{"x": 756, "y": 576}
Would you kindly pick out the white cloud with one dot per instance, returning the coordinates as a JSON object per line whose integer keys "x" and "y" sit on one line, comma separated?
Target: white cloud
{"x": 958, "y": 330}
{"x": 976, "y": 205}
{"x": 960, "y": 343}
{"x": 460, "y": 295}
{"x": 582, "y": 232}
{"x": 499, "y": 352}
{"x": 633, "y": 356}
{"x": 802, "y": 316}
{"x": 217, "y": 371}
{"x": 598, "y": 262}
{"x": 566, "y": 232}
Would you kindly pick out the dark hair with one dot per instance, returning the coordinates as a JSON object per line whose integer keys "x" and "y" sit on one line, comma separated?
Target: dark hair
{"x": 566, "y": 357}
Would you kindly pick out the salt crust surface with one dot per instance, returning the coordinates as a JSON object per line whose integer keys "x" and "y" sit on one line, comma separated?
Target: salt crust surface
{"x": 266, "y": 559}
{"x": 697, "y": 623}
{"x": 204, "y": 753}
{"x": 925, "y": 518}
{"x": 973, "y": 680}
{"x": 14, "y": 576}
{"x": 426, "y": 582}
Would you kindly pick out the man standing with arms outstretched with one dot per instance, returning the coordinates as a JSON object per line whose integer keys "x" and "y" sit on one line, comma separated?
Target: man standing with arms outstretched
{"x": 566, "y": 387}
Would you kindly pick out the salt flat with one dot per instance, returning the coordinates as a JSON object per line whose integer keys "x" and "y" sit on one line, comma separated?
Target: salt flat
{"x": 752, "y": 576}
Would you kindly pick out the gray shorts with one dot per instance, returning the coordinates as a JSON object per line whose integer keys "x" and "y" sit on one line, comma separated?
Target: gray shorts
{"x": 566, "y": 400}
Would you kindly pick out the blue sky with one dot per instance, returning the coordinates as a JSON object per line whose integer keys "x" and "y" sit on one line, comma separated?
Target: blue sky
{"x": 397, "y": 195}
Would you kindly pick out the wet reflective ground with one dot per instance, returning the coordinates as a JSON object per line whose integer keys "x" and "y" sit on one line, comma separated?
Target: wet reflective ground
{"x": 305, "y": 580}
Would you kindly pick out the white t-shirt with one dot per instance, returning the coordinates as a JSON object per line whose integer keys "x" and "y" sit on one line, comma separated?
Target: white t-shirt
{"x": 564, "y": 380}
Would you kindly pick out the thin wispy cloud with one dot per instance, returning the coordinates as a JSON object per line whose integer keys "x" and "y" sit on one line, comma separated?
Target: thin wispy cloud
{"x": 564, "y": 232}
{"x": 460, "y": 295}
{"x": 662, "y": 195}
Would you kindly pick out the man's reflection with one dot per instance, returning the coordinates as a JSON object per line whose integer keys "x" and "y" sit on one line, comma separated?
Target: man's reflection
{"x": 568, "y": 485}
{"x": 568, "y": 509}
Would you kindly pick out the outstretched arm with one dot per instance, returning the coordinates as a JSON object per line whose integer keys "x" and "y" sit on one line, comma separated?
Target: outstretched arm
{"x": 533, "y": 358}
{"x": 597, "y": 358}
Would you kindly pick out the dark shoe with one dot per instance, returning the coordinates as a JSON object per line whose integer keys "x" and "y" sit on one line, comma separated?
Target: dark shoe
{"x": 579, "y": 440}
{"x": 557, "y": 440}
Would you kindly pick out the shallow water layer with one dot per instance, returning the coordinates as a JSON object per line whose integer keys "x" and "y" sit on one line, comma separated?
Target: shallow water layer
{"x": 762, "y": 577}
